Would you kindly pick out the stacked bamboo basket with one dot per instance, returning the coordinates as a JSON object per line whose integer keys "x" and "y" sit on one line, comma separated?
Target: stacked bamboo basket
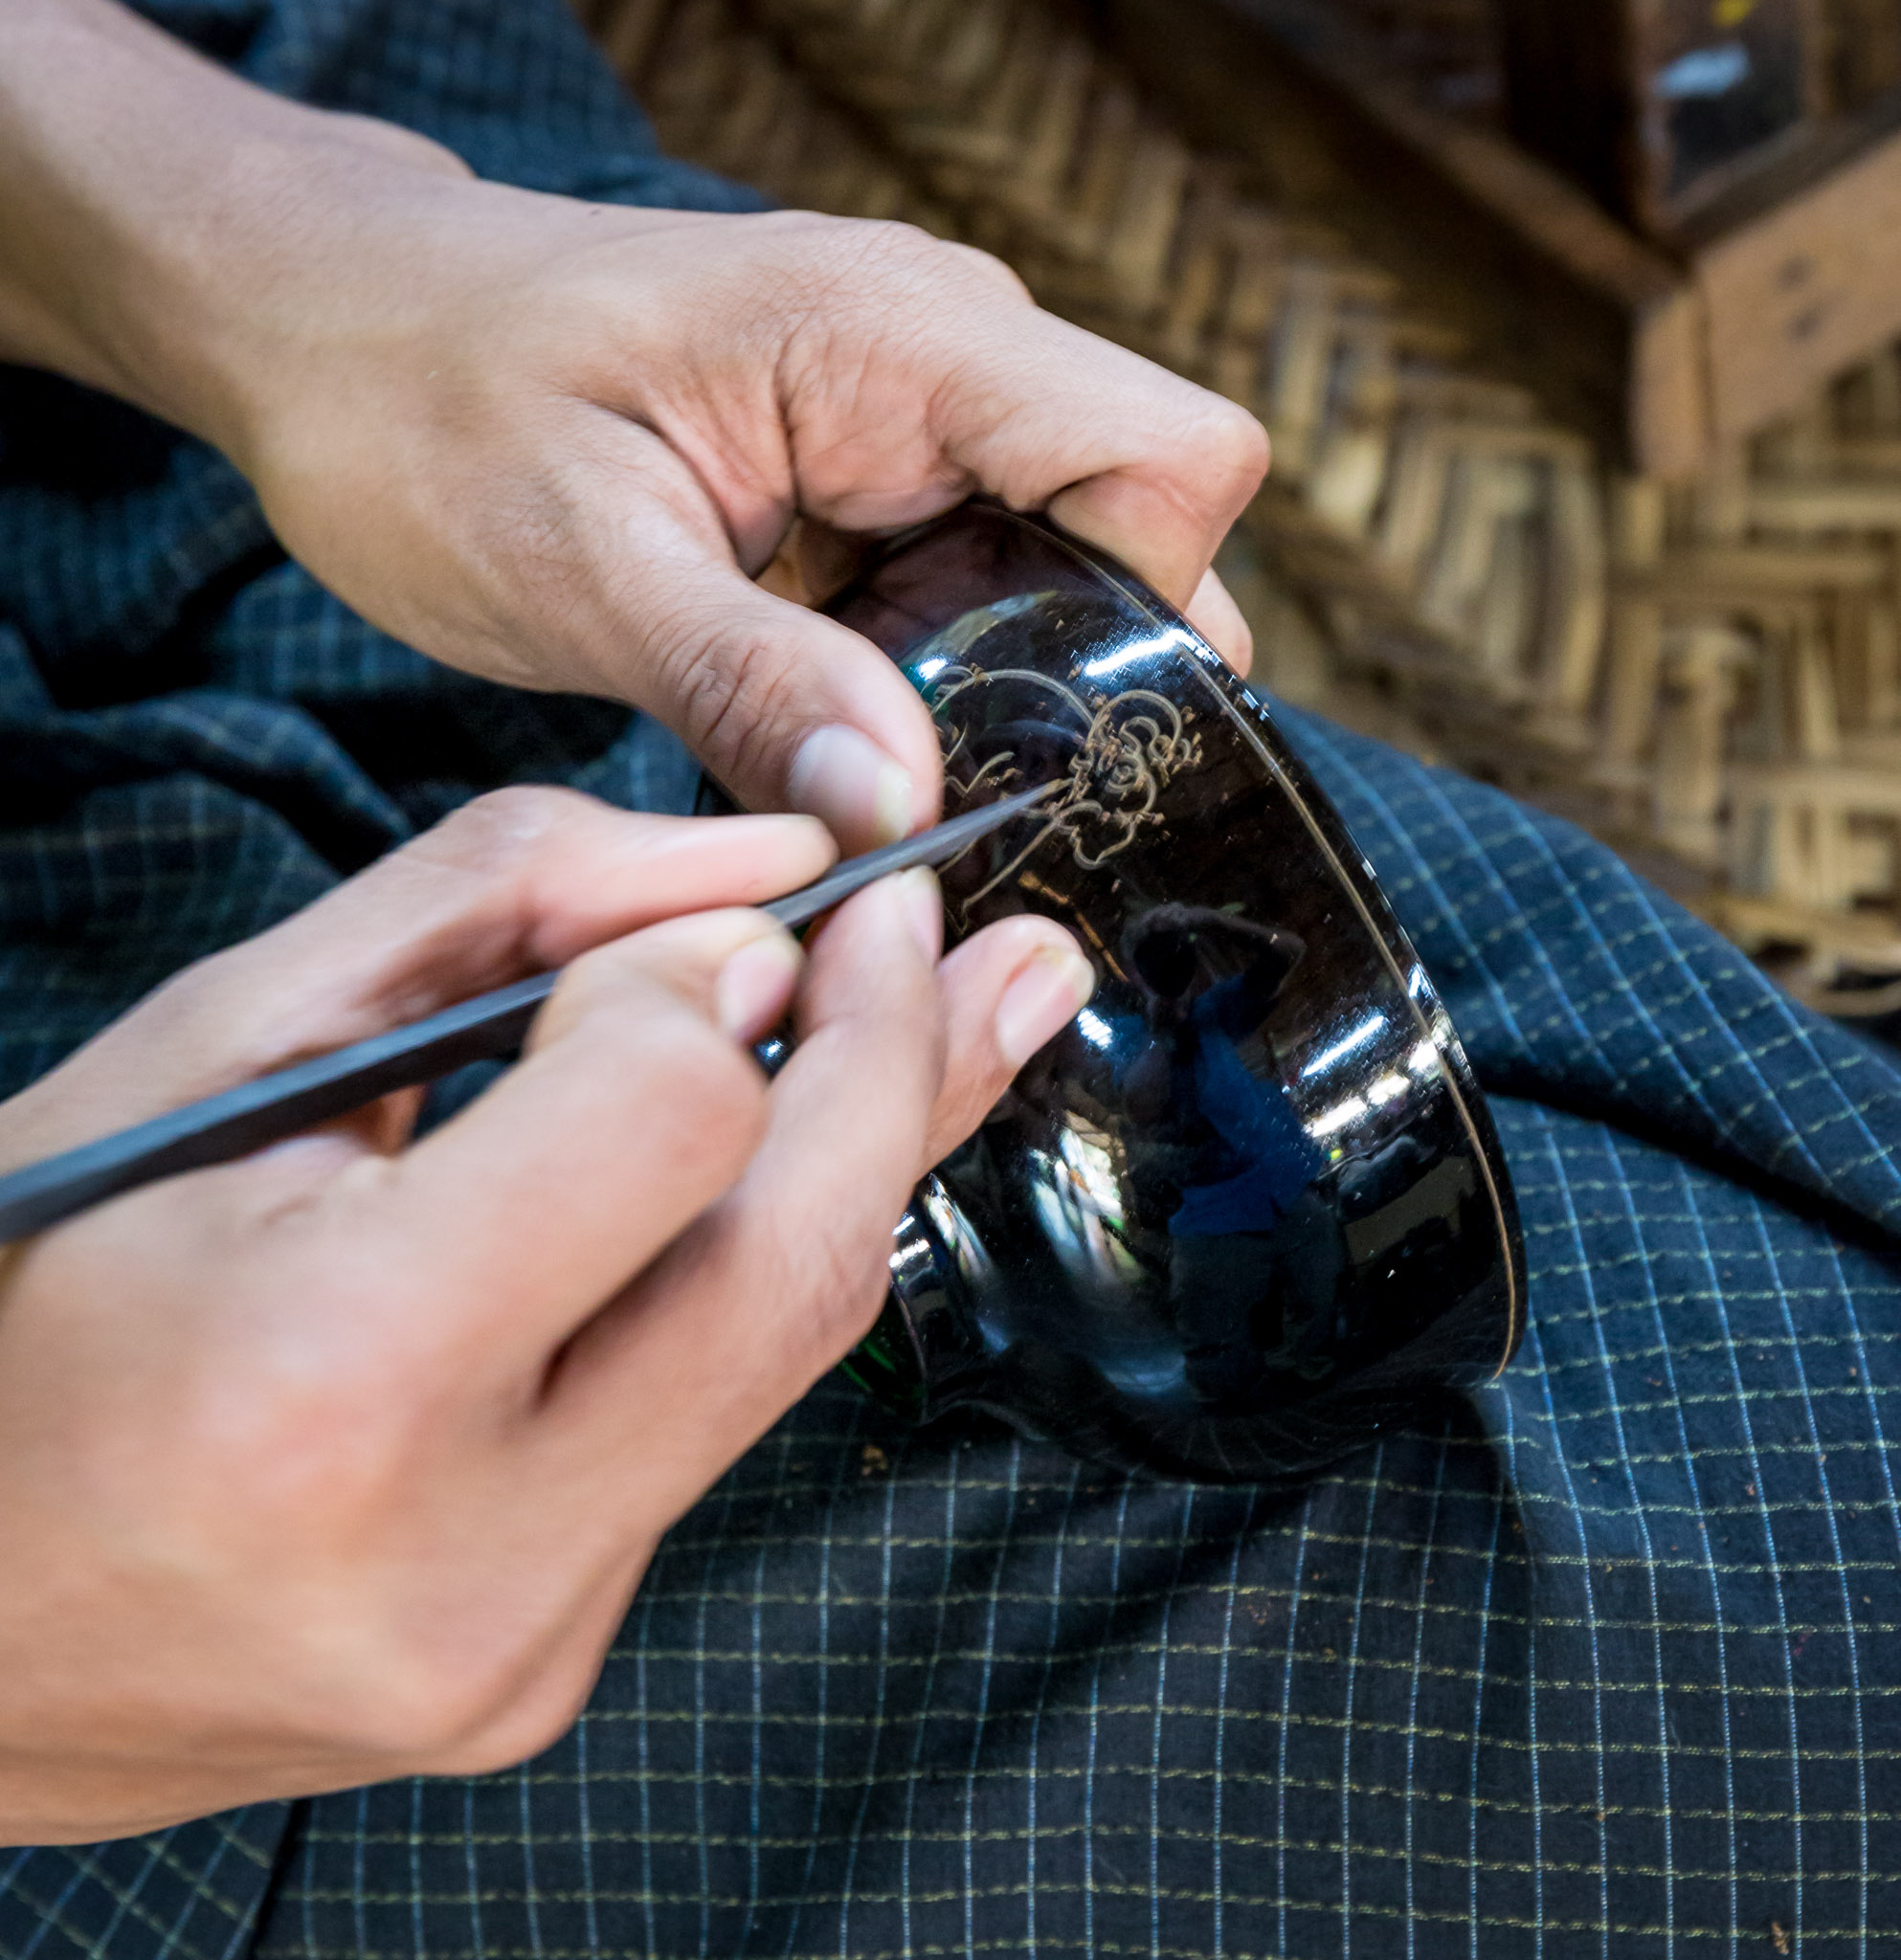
{"x": 1710, "y": 675}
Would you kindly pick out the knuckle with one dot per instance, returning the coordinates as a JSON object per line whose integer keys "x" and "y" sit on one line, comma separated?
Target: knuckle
{"x": 736, "y": 695}
{"x": 986, "y": 265}
{"x": 862, "y": 261}
{"x": 511, "y": 1734}
{"x": 1235, "y": 441}
{"x": 414, "y": 1707}
{"x": 224, "y": 1003}
{"x": 501, "y": 829}
{"x": 832, "y": 1280}
{"x": 481, "y": 1713}
{"x": 844, "y": 1284}
{"x": 886, "y": 241}
{"x": 318, "y": 1457}
{"x": 218, "y": 993}
{"x": 403, "y": 1692}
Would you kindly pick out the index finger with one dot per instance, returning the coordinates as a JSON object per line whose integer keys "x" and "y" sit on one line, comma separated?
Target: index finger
{"x": 1129, "y": 456}
{"x": 513, "y": 884}
{"x": 770, "y": 1286}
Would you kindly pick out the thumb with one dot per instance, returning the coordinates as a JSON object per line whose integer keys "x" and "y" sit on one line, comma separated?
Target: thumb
{"x": 790, "y": 710}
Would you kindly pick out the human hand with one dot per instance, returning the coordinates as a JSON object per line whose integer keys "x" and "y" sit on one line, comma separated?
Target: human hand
{"x": 343, "y": 1462}
{"x": 554, "y": 442}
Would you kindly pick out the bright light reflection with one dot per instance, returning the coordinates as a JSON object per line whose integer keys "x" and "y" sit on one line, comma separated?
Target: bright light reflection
{"x": 1077, "y": 1197}
{"x": 1702, "y": 73}
{"x": 1168, "y": 642}
{"x": 1094, "y": 1028}
{"x": 930, "y": 670}
{"x": 1093, "y": 1170}
{"x": 1337, "y": 1118}
{"x": 966, "y": 1249}
{"x": 1387, "y": 1089}
{"x": 1423, "y": 1059}
{"x": 1358, "y": 1039}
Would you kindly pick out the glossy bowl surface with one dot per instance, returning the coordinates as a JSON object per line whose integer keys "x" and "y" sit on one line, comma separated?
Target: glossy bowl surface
{"x": 1248, "y": 1209}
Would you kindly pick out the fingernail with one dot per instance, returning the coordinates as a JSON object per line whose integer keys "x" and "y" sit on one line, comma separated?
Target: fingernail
{"x": 1041, "y": 1001}
{"x": 924, "y": 910}
{"x": 755, "y": 985}
{"x": 848, "y": 782}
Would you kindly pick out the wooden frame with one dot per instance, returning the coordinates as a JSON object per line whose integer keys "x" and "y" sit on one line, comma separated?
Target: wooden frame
{"x": 1652, "y": 105}
{"x": 1664, "y": 356}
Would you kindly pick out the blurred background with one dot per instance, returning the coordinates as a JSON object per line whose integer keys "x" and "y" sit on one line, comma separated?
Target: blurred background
{"x": 1577, "y": 324}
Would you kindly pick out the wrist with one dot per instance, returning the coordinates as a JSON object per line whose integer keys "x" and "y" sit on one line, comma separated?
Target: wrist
{"x": 235, "y": 305}
{"x": 154, "y": 207}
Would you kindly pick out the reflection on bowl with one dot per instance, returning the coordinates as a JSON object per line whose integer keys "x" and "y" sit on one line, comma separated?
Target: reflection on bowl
{"x": 1248, "y": 1209}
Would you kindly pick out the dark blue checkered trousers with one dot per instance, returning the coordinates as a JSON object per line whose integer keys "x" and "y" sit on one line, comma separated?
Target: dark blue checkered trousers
{"x": 1604, "y": 1660}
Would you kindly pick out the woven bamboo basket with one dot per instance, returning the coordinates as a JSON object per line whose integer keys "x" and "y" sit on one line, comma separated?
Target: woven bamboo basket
{"x": 1710, "y": 677}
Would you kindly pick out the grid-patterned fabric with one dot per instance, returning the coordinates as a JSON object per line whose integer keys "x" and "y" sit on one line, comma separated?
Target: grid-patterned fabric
{"x": 1602, "y": 1660}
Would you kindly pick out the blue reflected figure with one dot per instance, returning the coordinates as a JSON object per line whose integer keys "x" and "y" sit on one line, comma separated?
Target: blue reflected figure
{"x": 1256, "y": 1252}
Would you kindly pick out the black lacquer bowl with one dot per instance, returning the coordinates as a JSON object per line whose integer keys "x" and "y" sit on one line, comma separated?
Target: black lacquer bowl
{"x": 1248, "y": 1209}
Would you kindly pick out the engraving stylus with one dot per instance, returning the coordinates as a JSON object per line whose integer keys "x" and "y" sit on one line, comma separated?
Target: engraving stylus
{"x": 491, "y": 1026}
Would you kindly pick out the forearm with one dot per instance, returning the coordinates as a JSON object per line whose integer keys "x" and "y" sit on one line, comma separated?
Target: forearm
{"x": 148, "y": 200}
{"x": 553, "y": 441}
